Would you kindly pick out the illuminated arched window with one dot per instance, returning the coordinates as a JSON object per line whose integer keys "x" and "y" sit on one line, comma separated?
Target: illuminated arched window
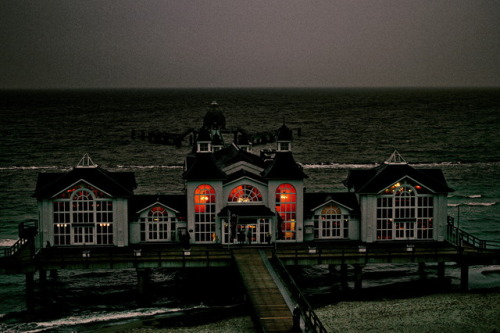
{"x": 158, "y": 225}
{"x": 245, "y": 193}
{"x": 286, "y": 207}
{"x": 83, "y": 215}
{"x": 405, "y": 210}
{"x": 204, "y": 213}
{"x": 330, "y": 223}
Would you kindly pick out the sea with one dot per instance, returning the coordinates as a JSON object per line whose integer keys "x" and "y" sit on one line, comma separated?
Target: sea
{"x": 454, "y": 129}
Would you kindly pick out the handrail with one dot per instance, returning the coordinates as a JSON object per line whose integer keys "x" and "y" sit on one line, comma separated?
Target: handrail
{"x": 10, "y": 251}
{"x": 311, "y": 319}
{"x": 457, "y": 236}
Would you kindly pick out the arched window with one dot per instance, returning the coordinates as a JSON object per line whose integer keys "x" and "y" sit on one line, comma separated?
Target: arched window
{"x": 286, "y": 207}
{"x": 204, "y": 213}
{"x": 158, "y": 225}
{"x": 330, "y": 223}
{"x": 405, "y": 211}
{"x": 83, "y": 215}
{"x": 245, "y": 193}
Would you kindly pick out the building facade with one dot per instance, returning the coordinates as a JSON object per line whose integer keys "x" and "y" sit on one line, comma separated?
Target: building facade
{"x": 233, "y": 196}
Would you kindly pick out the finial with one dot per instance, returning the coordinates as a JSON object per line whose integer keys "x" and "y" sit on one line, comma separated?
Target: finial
{"x": 86, "y": 162}
{"x": 395, "y": 158}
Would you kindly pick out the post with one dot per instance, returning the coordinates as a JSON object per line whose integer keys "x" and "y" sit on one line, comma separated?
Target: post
{"x": 441, "y": 270}
{"x": 30, "y": 290}
{"x": 464, "y": 276}
{"x": 343, "y": 277}
{"x": 421, "y": 270}
{"x": 358, "y": 277}
{"x": 143, "y": 281}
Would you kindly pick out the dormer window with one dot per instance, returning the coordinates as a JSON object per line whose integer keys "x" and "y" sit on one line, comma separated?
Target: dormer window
{"x": 284, "y": 146}
{"x": 203, "y": 147}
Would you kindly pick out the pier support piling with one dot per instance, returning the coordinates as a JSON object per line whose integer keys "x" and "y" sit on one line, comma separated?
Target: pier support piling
{"x": 441, "y": 270}
{"x": 421, "y": 271}
{"x": 358, "y": 277}
{"x": 343, "y": 277}
{"x": 464, "y": 276}
{"x": 143, "y": 284}
{"x": 30, "y": 290}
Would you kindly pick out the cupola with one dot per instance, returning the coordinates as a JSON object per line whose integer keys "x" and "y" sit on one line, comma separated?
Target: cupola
{"x": 204, "y": 141}
{"x": 284, "y": 138}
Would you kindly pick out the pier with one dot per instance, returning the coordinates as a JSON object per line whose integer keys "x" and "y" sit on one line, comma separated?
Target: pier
{"x": 271, "y": 311}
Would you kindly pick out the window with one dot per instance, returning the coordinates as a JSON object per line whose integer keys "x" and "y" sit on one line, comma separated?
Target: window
{"x": 244, "y": 194}
{"x": 284, "y": 146}
{"x": 83, "y": 215}
{"x": 331, "y": 223}
{"x": 286, "y": 207}
{"x": 204, "y": 214}
{"x": 405, "y": 211}
{"x": 158, "y": 226}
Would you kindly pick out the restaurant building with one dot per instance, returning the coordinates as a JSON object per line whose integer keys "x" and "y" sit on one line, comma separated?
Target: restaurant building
{"x": 233, "y": 196}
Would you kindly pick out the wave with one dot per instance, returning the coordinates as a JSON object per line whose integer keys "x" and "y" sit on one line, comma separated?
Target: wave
{"x": 318, "y": 165}
{"x": 471, "y": 196}
{"x": 104, "y": 317}
{"x": 486, "y": 204}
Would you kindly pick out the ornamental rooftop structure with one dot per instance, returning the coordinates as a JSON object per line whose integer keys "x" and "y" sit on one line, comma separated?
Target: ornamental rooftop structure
{"x": 233, "y": 196}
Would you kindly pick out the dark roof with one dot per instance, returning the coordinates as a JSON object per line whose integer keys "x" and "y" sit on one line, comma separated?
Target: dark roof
{"x": 174, "y": 201}
{"x": 246, "y": 210}
{"x": 243, "y": 173}
{"x": 231, "y": 155}
{"x": 284, "y": 167}
{"x": 204, "y": 135}
{"x": 313, "y": 200}
{"x": 203, "y": 167}
{"x": 217, "y": 140}
{"x": 376, "y": 179}
{"x": 284, "y": 134}
{"x": 117, "y": 184}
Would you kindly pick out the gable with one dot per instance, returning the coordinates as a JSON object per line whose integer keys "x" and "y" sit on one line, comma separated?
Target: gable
{"x": 115, "y": 184}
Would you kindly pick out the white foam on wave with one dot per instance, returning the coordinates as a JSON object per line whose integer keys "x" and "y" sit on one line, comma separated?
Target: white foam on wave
{"x": 338, "y": 166}
{"x": 484, "y": 204}
{"x": 480, "y": 203}
{"x": 105, "y": 316}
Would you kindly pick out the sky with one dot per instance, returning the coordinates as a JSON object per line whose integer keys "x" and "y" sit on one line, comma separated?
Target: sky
{"x": 240, "y": 43}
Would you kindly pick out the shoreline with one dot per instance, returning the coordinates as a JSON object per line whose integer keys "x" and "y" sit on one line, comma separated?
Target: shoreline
{"x": 453, "y": 312}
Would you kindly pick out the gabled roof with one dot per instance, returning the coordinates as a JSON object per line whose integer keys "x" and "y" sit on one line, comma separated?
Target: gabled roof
{"x": 244, "y": 174}
{"x": 315, "y": 200}
{"x": 376, "y": 179}
{"x": 231, "y": 155}
{"x": 203, "y": 167}
{"x": 176, "y": 202}
{"x": 284, "y": 167}
{"x": 117, "y": 184}
{"x": 246, "y": 210}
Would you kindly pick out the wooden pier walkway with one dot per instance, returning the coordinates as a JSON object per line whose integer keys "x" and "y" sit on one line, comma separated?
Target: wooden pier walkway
{"x": 271, "y": 309}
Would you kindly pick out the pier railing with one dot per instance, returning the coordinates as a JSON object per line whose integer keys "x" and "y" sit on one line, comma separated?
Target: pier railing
{"x": 312, "y": 321}
{"x": 10, "y": 251}
{"x": 458, "y": 237}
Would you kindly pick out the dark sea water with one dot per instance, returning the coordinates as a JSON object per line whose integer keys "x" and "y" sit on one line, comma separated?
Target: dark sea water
{"x": 457, "y": 130}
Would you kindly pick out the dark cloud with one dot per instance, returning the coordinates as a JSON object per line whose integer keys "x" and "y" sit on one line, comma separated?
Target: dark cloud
{"x": 111, "y": 43}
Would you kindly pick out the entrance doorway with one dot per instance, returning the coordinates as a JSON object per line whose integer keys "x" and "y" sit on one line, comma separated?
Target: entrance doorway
{"x": 257, "y": 231}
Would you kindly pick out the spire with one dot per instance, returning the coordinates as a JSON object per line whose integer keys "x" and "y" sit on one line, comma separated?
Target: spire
{"x": 86, "y": 162}
{"x": 395, "y": 158}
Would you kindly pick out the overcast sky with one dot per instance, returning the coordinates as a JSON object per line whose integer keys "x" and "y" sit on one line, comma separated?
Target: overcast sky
{"x": 248, "y": 43}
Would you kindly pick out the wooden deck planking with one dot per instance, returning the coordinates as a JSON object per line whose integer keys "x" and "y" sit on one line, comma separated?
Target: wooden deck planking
{"x": 269, "y": 306}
